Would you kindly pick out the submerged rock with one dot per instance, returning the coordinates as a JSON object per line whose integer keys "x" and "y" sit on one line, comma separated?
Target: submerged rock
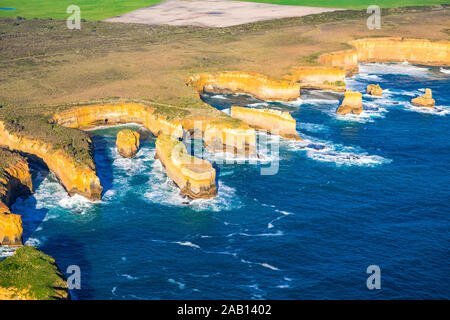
{"x": 127, "y": 143}
{"x": 374, "y": 90}
{"x": 352, "y": 103}
{"x": 424, "y": 101}
{"x": 31, "y": 275}
{"x": 274, "y": 121}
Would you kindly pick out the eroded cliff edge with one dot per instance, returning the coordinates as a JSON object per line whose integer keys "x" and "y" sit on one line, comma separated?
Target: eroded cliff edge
{"x": 15, "y": 181}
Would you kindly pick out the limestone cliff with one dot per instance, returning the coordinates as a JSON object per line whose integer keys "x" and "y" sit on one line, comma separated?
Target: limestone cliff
{"x": 374, "y": 90}
{"x": 347, "y": 60}
{"x": 274, "y": 121}
{"x": 417, "y": 51}
{"x": 127, "y": 143}
{"x": 31, "y": 275}
{"x": 352, "y": 103}
{"x": 424, "y": 101}
{"x": 254, "y": 84}
{"x": 76, "y": 177}
{"x": 15, "y": 181}
{"x": 195, "y": 177}
{"x": 324, "y": 78}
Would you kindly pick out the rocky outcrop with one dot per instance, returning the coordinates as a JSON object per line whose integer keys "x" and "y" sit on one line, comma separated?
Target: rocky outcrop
{"x": 424, "y": 101}
{"x": 352, "y": 103}
{"x": 195, "y": 177}
{"x": 323, "y": 78}
{"x": 127, "y": 143}
{"x": 347, "y": 60}
{"x": 374, "y": 90}
{"x": 77, "y": 178}
{"x": 418, "y": 51}
{"x": 237, "y": 139}
{"x": 274, "y": 121}
{"x": 15, "y": 181}
{"x": 31, "y": 275}
{"x": 254, "y": 84}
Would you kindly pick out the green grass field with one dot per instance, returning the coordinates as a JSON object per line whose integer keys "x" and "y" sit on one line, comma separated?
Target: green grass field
{"x": 90, "y": 9}
{"x": 355, "y": 4}
{"x": 102, "y": 9}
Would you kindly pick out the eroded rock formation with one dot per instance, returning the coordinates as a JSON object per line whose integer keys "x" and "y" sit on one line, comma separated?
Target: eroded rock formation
{"x": 424, "y": 101}
{"x": 15, "y": 181}
{"x": 347, "y": 60}
{"x": 417, "y": 51}
{"x": 352, "y": 103}
{"x": 274, "y": 121}
{"x": 76, "y": 177}
{"x": 127, "y": 143}
{"x": 254, "y": 84}
{"x": 374, "y": 90}
{"x": 324, "y": 78}
{"x": 195, "y": 177}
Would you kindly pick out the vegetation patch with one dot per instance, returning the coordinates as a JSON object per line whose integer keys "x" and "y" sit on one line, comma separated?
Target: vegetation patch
{"x": 30, "y": 269}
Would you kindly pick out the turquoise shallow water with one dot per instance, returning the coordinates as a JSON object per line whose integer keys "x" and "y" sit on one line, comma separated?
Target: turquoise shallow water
{"x": 360, "y": 191}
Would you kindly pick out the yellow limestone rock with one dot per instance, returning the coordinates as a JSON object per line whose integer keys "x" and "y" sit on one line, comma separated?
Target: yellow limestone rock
{"x": 347, "y": 60}
{"x": 274, "y": 121}
{"x": 195, "y": 177}
{"x": 76, "y": 178}
{"x": 221, "y": 136}
{"x": 15, "y": 181}
{"x": 127, "y": 143}
{"x": 374, "y": 90}
{"x": 352, "y": 103}
{"x": 424, "y": 101}
{"x": 324, "y": 78}
{"x": 254, "y": 84}
{"x": 418, "y": 51}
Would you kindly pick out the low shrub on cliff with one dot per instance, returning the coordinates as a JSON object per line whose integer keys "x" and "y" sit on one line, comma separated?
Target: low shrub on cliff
{"x": 30, "y": 269}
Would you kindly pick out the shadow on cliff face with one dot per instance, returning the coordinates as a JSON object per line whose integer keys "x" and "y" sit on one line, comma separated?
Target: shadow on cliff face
{"x": 67, "y": 252}
{"x": 103, "y": 161}
{"x": 33, "y": 216}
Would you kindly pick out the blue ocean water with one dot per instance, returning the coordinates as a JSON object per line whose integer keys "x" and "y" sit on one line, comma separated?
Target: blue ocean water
{"x": 359, "y": 191}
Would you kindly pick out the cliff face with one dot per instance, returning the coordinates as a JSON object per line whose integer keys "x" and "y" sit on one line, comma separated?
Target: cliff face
{"x": 324, "y": 78}
{"x": 352, "y": 103}
{"x": 424, "y": 101}
{"x": 127, "y": 143}
{"x": 254, "y": 84}
{"x": 75, "y": 177}
{"x": 399, "y": 50}
{"x": 15, "y": 181}
{"x": 31, "y": 275}
{"x": 347, "y": 60}
{"x": 195, "y": 177}
{"x": 274, "y": 121}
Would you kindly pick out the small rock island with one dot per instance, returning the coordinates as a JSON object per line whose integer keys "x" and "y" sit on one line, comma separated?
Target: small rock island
{"x": 424, "y": 101}
{"x": 374, "y": 90}
{"x": 127, "y": 143}
{"x": 352, "y": 103}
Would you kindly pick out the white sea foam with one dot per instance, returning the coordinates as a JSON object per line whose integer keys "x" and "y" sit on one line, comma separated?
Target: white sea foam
{"x": 438, "y": 110}
{"x": 312, "y": 127}
{"x": 393, "y": 68}
{"x": 180, "y": 285}
{"x": 328, "y": 152}
{"x": 6, "y": 251}
{"x": 219, "y": 96}
{"x": 187, "y": 243}
{"x": 446, "y": 71}
{"x": 163, "y": 191}
{"x": 227, "y": 111}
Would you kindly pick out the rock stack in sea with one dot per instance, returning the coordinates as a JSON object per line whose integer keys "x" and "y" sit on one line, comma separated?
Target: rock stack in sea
{"x": 352, "y": 103}
{"x": 424, "y": 101}
{"x": 374, "y": 90}
{"x": 127, "y": 143}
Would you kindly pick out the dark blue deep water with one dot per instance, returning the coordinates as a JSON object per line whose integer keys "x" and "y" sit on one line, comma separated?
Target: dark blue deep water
{"x": 363, "y": 190}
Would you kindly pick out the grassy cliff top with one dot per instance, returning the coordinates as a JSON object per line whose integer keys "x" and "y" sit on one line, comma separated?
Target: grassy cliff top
{"x": 34, "y": 271}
